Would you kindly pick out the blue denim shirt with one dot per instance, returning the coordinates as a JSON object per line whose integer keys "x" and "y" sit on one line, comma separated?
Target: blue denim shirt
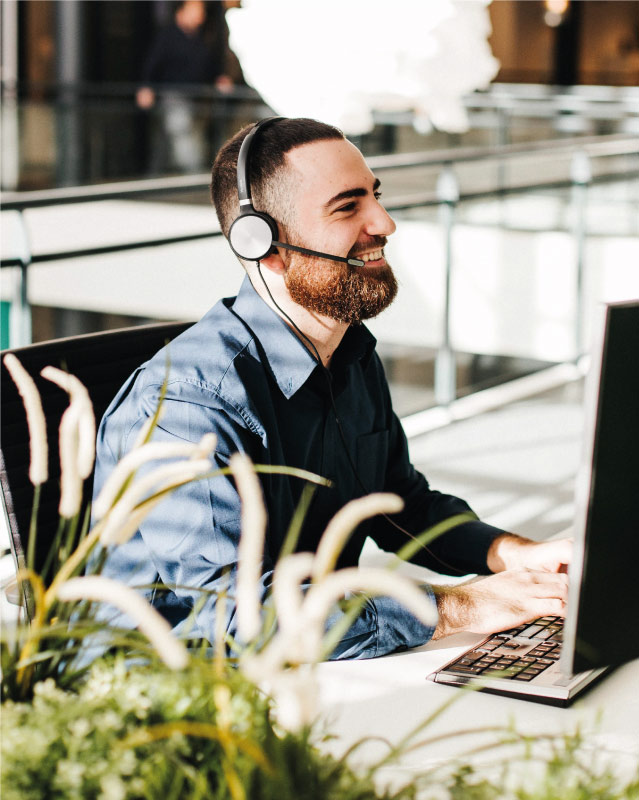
{"x": 241, "y": 373}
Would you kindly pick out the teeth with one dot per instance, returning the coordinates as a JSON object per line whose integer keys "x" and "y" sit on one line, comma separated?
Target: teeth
{"x": 374, "y": 256}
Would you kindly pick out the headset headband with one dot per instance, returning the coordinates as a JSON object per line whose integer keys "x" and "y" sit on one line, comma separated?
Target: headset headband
{"x": 243, "y": 164}
{"x": 253, "y": 234}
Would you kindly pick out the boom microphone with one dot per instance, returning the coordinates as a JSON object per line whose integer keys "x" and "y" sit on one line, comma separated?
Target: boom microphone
{"x": 354, "y": 262}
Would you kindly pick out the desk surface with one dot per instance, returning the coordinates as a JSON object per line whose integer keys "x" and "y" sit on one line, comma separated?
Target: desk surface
{"x": 388, "y": 697}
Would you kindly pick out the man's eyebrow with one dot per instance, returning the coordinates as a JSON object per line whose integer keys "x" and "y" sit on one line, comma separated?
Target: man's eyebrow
{"x": 348, "y": 193}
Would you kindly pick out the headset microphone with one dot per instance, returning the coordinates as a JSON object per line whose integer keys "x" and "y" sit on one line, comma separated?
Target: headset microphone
{"x": 354, "y": 262}
{"x": 253, "y": 234}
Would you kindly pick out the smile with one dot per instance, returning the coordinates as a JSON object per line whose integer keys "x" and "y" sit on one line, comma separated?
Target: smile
{"x": 372, "y": 255}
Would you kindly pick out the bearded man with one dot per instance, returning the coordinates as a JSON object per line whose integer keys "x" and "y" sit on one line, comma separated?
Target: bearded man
{"x": 287, "y": 373}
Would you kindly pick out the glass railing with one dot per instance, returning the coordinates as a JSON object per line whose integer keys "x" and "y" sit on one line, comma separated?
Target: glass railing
{"x": 68, "y": 135}
{"x": 501, "y": 254}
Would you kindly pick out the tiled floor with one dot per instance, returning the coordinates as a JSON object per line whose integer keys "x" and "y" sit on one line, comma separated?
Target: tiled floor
{"x": 516, "y": 465}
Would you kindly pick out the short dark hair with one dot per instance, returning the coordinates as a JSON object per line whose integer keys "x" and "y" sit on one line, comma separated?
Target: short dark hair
{"x": 266, "y": 174}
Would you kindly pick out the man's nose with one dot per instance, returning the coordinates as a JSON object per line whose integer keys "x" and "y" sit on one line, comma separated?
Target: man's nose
{"x": 379, "y": 223}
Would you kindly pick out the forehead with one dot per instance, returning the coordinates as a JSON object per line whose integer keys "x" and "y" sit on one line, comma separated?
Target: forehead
{"x": 324, "y": 169}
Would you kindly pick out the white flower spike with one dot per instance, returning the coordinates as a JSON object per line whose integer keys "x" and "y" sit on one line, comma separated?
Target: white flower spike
{"x": 152, "y": 451}
{"x": 70, "y": 479}
{"x": 251, "y": 546}
{"x": 79, "y": 396}
{"x": 98, "y": 588}
{"x": 39, "y": 450}
{"x": 321, "y": 597}
{"x": 163, "y": 477}
{"x": 344, "y": 523}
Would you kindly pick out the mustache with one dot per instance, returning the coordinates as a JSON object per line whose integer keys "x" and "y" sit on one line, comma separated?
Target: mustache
{"x": 374, "y": 242}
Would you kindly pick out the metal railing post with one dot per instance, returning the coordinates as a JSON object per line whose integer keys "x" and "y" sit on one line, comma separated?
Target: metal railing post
{"x": 581, "y": 176}
{"x": 20, "y": 313}
{"x": 445, "y": 361}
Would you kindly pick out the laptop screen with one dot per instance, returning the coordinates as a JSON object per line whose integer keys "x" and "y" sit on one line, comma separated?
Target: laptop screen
{"x": 602, "y": 622}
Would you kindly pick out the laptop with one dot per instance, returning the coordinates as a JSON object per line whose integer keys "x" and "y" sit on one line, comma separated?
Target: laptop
{"x": 552, "y": 660}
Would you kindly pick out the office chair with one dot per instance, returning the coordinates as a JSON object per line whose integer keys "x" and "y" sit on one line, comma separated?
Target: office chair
{"x": 102, "y": 361}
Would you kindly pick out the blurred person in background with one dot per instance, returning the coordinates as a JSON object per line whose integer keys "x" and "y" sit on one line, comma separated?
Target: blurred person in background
{"x": 191, "y": 51}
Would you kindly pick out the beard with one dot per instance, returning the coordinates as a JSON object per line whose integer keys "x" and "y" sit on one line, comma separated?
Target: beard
{"x": 339, "y": 291}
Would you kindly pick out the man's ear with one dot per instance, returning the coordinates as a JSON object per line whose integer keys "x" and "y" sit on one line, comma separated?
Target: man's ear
{"x": 273, "y": 261}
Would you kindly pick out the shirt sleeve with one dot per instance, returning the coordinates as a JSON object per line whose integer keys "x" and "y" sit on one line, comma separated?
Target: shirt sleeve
{"x": 383, "y": 627}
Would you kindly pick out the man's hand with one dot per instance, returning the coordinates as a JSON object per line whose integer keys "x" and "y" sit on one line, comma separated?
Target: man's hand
{"x": 514, "y": 552}
{"x": 501, "y": 601}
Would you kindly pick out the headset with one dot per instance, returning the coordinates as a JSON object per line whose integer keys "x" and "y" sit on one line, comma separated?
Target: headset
{"x": 253, "y": 234}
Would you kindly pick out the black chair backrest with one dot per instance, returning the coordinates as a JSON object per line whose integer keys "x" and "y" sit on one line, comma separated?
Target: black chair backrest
{"x": 102, "y": 361}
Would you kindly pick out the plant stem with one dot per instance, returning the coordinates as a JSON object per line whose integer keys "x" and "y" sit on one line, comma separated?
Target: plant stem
{"x": 24, "y": 673}
{"x": 75, "y": 560}
{"x": 33, "y": 527}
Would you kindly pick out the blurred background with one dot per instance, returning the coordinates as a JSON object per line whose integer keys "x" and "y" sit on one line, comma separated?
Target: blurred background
{"x": 505, "y": 133}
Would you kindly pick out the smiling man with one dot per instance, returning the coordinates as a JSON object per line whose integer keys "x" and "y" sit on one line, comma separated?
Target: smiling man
{"x": 287, "y": 373}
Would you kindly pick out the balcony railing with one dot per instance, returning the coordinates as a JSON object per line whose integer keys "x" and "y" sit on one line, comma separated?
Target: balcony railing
{"x": 574, "y": 164}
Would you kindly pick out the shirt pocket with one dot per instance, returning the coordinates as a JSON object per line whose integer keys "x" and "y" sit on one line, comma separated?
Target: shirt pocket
{"x": 372, "y": 456}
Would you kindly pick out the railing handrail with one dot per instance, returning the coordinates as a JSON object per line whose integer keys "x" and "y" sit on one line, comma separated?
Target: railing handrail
{"x": 398, "y": 203}
{"x": 595, "y": 146}
{"x": 122, "y": 89}
{"x": 541, "y": 92}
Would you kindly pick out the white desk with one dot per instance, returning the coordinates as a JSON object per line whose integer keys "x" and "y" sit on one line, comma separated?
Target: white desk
{"x": 389, "y": 696}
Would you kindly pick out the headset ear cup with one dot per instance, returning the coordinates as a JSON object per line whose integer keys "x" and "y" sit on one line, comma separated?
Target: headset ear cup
{"x": 251, "y": 235}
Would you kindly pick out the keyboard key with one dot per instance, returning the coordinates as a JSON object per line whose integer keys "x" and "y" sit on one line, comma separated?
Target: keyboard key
{"x": 513, "y": 631}
{"x": 523, "y": 676}
{"x": 532, "y": 631}
{"x": 473, "y": 655}
{"x": 464, "y": 670}
{"x": 495, "y": 673}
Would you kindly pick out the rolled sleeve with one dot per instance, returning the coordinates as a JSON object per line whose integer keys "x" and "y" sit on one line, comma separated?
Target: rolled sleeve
{"x": 384, "y": 626}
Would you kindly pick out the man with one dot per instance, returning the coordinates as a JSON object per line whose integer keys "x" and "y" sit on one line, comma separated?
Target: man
{"x": 183, "y": 53}
{"x": 287, "y": 373}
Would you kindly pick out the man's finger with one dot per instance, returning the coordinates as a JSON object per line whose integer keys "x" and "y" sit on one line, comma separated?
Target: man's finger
{"x": 551, "y": 606}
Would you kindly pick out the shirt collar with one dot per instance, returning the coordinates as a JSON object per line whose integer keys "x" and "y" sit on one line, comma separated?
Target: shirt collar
{"x": 289, "y": 359}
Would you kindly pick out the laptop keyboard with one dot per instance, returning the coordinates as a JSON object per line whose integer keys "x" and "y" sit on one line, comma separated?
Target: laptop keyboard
{"x": 497, "y": 654}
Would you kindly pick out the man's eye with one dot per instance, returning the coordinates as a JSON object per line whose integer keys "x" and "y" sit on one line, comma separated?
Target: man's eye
{"x": 377, "y": 195}
{"x": 347, "y": 207}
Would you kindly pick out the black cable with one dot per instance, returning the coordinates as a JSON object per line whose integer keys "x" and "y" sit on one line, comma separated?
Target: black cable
{"x": 329, "y": 380}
